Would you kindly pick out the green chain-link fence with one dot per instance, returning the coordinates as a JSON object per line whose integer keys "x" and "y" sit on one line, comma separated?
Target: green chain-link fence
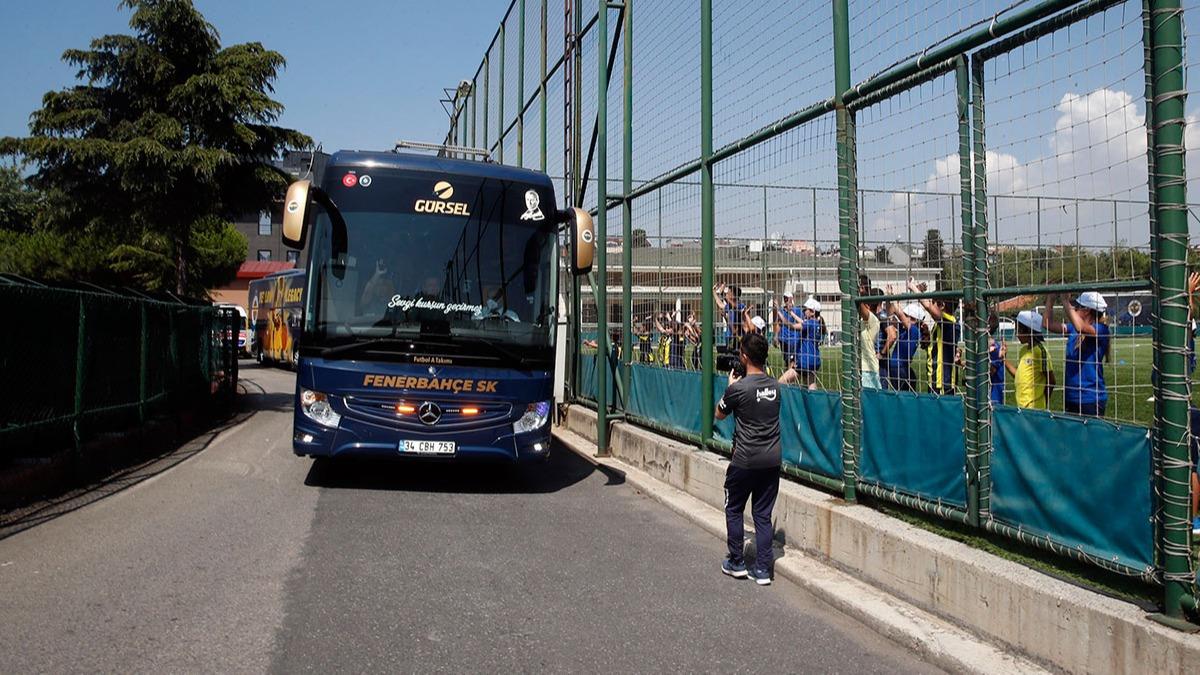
{"x": 81, "y": 360}
{"x": 981, "y": 157}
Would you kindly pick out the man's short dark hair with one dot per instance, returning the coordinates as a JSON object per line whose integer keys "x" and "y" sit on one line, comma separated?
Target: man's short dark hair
{"x": 737, "y": 291}
{"x": 754, "y": 346}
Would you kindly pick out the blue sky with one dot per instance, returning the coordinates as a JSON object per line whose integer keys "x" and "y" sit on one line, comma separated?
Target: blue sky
{"x": 360, "y": 75}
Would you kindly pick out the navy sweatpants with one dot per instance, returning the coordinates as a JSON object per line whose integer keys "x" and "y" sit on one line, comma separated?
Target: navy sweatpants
{"x": 760, "y": 486}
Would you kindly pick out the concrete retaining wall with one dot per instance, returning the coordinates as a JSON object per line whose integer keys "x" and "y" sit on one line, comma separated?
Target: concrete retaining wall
{"x": 1051, "y": 621}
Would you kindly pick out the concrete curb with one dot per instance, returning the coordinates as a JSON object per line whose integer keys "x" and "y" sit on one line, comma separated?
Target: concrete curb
{"x": 937, "y": 641}
{"x": 1049, "y": 621}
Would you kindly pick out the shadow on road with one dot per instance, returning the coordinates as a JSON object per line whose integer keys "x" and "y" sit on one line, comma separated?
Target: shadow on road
{"x": 564, "y": 469}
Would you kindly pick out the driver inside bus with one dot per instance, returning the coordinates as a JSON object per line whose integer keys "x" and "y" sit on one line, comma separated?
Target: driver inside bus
{"x": 495, "y": 307}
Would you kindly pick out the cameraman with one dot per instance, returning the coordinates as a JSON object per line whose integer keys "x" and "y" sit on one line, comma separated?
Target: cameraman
{"x": 753, "y": 473}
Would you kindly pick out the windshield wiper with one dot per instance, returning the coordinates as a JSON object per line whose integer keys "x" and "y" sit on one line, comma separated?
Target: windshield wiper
{"x": 366, "y": 345}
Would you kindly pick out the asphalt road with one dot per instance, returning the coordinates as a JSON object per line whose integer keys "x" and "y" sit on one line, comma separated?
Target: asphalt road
{"x": 238, "y": 556}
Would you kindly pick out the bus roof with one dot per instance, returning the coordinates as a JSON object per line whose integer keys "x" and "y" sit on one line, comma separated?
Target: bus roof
{"x": 364, "y": 159}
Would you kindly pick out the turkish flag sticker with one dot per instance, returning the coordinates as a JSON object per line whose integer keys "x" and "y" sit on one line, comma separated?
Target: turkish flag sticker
{"x": 349, "y": 180}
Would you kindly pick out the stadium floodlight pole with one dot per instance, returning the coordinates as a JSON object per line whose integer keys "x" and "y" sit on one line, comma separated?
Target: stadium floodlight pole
{"x": 972, "y": 310}
{"x": 1170, "y": 205}
{"x": 626, "y": 203}
{"x": 707, "y": 213}
{"x": 848, "y": 251}
{"x": 600, "y": 286}
{"x": 521, "y": 84}
{"x": 979, "y": 152}
{"x": 542, "y": 97}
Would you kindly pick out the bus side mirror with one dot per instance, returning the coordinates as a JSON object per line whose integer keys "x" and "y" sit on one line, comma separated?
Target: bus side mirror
{"x": 583, "y": 239}
{"x": 295, "y": 214}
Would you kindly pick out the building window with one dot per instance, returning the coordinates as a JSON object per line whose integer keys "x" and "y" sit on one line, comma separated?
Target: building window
{"x": 264, "y": 255}
{"x": 264, "y": 224}
{"x": 293, "y": 256}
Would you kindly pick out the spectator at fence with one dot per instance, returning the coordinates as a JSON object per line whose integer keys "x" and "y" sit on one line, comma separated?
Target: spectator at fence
{"x": 1034, "y": 374}
{"x": 673, "y": 338}
{"x": 868, "y": 333}
{"x": 1088, "y": 343}
{"x": 788, "y": 328}
{"x": 941, "y": 366}
{"x": 997, "y": 350}
{"x": 753, "y": 472}
{"x": 691, "y": 331}
{"x": 729, "y": 301}
{"x": 644, "y": 331}
{"x": 898, "y": 367}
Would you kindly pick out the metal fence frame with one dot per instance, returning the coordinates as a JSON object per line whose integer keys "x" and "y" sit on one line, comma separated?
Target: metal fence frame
{"x": 212, "y": 375}
{"x": 963, "y": 55}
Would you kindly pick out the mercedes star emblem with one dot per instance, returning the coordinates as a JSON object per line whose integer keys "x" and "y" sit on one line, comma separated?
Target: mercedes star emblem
{"x": 429, "y": 413}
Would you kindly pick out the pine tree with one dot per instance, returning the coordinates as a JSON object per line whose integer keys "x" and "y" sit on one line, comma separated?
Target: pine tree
{"x": 167, "y": 136}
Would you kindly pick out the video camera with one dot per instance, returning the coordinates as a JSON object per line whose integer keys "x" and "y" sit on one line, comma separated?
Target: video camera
{"x": 729, "y": 360}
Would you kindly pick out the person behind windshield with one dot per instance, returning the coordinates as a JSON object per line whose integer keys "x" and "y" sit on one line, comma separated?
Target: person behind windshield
{"x": 380, "y": 288}
{"x": 495, "y": 307}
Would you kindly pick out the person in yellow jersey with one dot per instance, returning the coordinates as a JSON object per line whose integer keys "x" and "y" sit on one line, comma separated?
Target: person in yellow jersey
{"x": 1033, "y": 374}
{"x": 942, "y": 364}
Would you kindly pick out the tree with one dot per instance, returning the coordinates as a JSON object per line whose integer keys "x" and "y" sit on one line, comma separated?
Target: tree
{"x": 640, "y": 240}
{"x": 18, "y": 202}
{"x": 168, "y": 135}
{"x": 933, "y": 249}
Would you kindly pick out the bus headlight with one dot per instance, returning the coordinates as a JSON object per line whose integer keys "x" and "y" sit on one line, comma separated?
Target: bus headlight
{"x": 315, "y": 406}
{"x": 534, "y": 418}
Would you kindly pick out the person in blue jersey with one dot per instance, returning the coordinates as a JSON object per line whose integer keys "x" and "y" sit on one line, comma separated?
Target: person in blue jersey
{"x": 811, "y": 333}
{"x": 1088, "y": 347}
{"x": 905, "y": 338}
{"x": 997, "y": 350}
{"x": 787, "y": 330}
{"x": 729, "y": 303}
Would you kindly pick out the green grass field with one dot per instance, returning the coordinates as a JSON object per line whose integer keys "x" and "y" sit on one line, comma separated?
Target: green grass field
{"x": 1127, "y": 375}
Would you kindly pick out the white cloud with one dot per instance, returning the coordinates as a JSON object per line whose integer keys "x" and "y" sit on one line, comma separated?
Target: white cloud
{"x": 1096, "y": 149}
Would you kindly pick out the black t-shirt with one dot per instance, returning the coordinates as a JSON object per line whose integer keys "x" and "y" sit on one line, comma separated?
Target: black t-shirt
{"x": 754, "y": 403}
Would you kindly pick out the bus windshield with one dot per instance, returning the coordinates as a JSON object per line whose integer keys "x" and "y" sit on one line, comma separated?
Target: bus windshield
{"x": 467, "y": 260}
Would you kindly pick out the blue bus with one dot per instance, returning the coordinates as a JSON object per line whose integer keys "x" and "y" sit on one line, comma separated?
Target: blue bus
{"x": 428, "y": 327}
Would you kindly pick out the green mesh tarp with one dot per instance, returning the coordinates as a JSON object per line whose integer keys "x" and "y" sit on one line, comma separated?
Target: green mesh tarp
{"x": 667, "y": 397}
{"x": 811, "y": 425}
{"x": 587, "y": 377}
{"x": 914, "y": 443}
{"x": 1084, "y": 483}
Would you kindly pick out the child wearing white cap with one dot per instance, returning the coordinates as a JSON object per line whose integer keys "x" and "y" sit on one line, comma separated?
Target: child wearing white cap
{"x": 905, "y": 339}
{"x": 1033, "y": 375}
{"x": 810, "y": 331}
{"x": 1088, "y": 343}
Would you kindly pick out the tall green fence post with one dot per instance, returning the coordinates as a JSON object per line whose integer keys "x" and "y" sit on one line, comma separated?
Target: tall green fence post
{"x": 707, "y": 224}
{"x": 143, "y": 348}
{"x": 626, "y": 203}
{"x": 971, "y": 310}
{"x": 848, "y": 246}
{"x": 600, "y": 285}
{"x": 984, "y": 447}
{"x": 500, "y": 131}
{"x": 487, "y": 97}
{"x": 80, "y": 374}
{"x": 1170, "y": 205}
{"x": 542, "y": 97}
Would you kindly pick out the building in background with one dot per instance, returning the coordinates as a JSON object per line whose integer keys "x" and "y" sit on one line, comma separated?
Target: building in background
{"x": 265, "y": 252}
{"x": 666, "y": 279}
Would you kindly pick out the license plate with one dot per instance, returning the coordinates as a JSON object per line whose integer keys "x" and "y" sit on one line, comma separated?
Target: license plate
{"x": 427, "y": 447}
